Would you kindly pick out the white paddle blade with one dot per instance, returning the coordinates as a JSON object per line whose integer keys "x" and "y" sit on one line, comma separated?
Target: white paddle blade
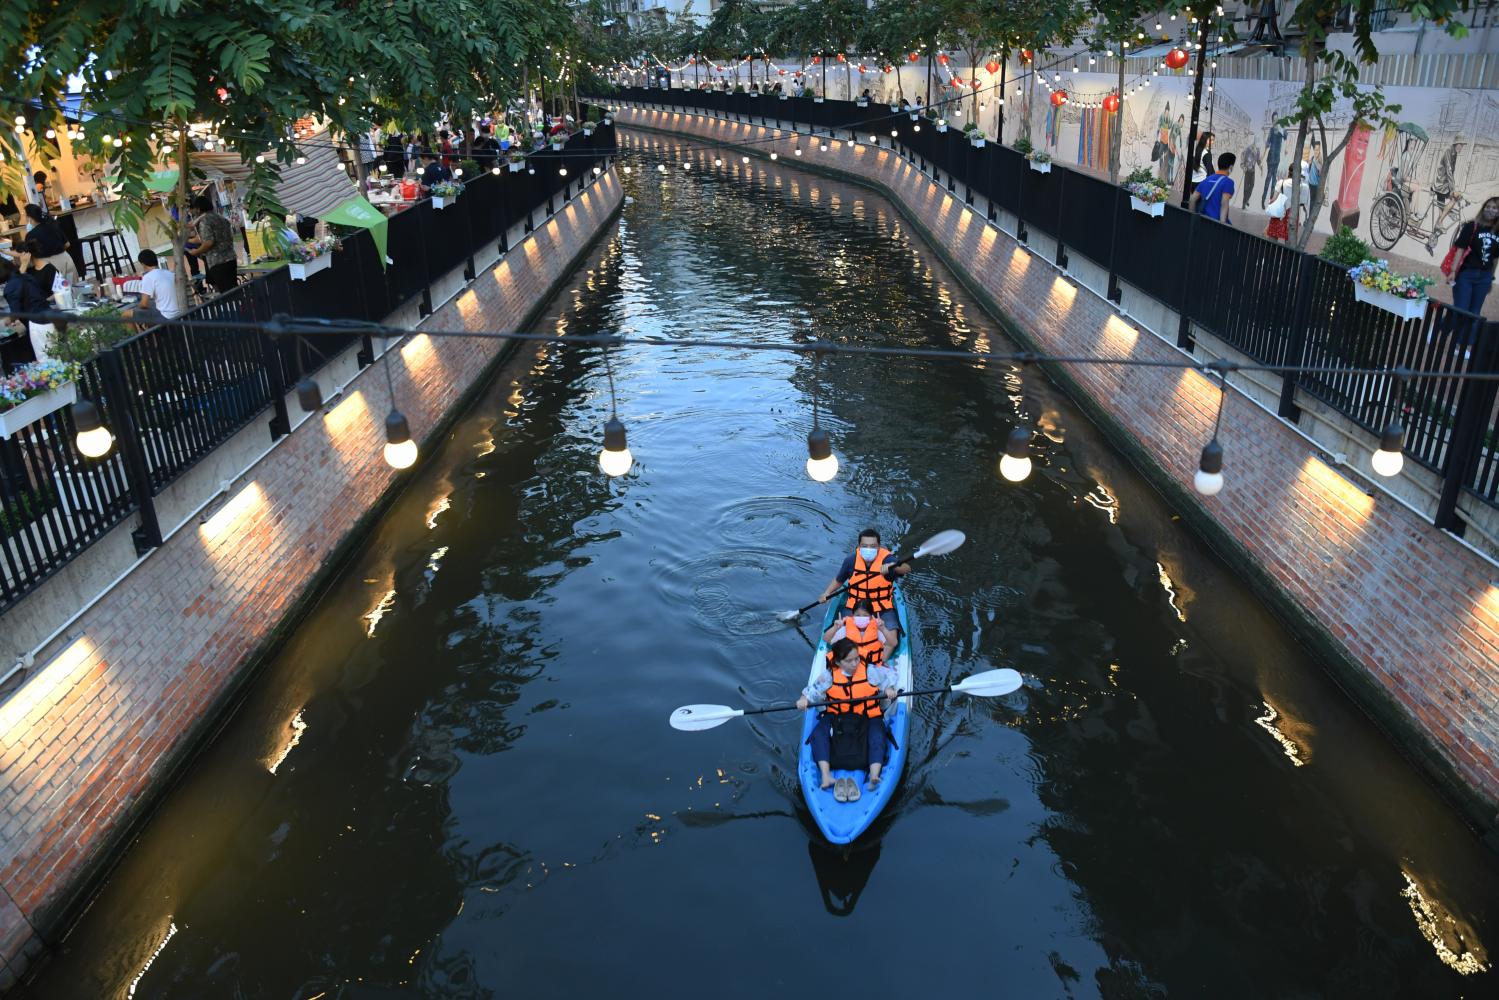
{"x": 696, "y": 718}
{"x": 788, "y": 616}
{"x": 941, "y": 543}
{"x": 990, "y": 683}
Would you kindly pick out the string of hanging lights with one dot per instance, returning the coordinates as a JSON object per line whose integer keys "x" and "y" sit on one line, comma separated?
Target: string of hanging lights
{"x": 94, "y": 440}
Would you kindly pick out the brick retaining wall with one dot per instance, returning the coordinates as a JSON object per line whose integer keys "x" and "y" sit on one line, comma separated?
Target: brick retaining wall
{"x": 140, "y": 678}
{"x": 1405, "y": 615}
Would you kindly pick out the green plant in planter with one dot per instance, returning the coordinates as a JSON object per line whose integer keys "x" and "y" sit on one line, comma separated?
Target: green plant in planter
{"x": 83, "y": 340}
{"x": 470, "y": 168}
{"x": 971, "y": 127}
{"x": 1022, "y": 146}
{"x": 1345, "y": 249}
{"x": 739, "y": 88}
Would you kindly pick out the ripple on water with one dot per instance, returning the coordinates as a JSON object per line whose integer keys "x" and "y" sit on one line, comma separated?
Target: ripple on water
{"x": 715, "y": 584}
{"x": 760, "y": 519}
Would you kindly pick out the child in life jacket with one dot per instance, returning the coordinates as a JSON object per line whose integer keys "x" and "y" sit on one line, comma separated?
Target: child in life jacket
{"x": 876, "y": 642}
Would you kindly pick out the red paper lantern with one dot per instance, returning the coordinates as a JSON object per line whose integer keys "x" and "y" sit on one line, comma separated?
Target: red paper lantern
{"x": 974, "y": 84}
{"x": 1058, "y": 98}
{"x": 942, "y": 59}
{"x": 1177, "y": 58}
{"x": 816, "y": 60}
{"x": 1111, "y": 103}
{"x": 840, "y": 57}
{"x": 956, "y": 82}
{"x": 1025, "y": 55}
{"x": 992, "y": 67}
{"x": 781, "y": 71}
{"x": 914, "y": 56}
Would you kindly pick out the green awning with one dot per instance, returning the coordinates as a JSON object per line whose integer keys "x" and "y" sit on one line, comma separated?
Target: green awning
{"x": 357, "y": 211}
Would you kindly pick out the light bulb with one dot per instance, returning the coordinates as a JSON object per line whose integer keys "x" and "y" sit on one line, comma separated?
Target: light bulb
{"x": 457, "y": 171}
{"x": 1209, "y": 478}
{"x": 626, "y": 168}
{"x": 400, "y": 450}
{"x": 661, "y": 168}
{"x": 1388, "y": 460}
{"x": 93, "y": 439}
{"x": 822, "y": 464}
{"x": 615, "y": 459}
{"x": 1015, "y": 466}
{"x": 775, "y": 156}
{"x": 744, "y": 159}
{"x": 494, "y": 170}
{"x": 562, "y": 171}
{"x": 798, "y": 151}
{"x": 596, "y": 170}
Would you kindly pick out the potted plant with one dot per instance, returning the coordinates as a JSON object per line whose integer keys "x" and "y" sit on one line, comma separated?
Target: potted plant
{"x": 1146, "y": 192}
{"x": 1040, "y": 161}
{"x": 941, "y": 124}
{"x": 590, "y": 125}
{"x": 1404, "y": 295}
{"x": 975, "y": 134}
{"x": 444, "y": 193}
{"x": 32, "y": 391}
{"x": 468, "y": 168}
{"x": 82, "y": 341}
{"x": 738, "y": 88}
{"x": 894, "y": 105}
{"x": 609, "y": 117}
{"x": 308, "y": 257}
{"x": 1345, "y": 249}
{"x": 517, "y": 161}
{"x": 784, "y": 96}
{"x": 861, "y": 102}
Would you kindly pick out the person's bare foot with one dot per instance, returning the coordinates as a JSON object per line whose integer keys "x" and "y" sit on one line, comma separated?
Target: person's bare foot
{"x": 827, "y": 782}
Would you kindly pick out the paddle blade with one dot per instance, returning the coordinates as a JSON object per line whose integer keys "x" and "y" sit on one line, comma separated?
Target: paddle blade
{"x": 990, "y": 683}
{"x": 941, "y": 543}
{"x": 696, "y": 718}
{"x": 788, "y": 616}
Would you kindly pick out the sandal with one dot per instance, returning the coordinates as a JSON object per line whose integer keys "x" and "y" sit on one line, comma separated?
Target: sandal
{"x": 840, "y": 790}
{"x": 853, "y": 790}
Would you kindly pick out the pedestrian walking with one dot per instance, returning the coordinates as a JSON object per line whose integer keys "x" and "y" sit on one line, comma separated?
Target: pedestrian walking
{"x": 1215, "y": 194}
{"x": 1249, "y": 162}
{"x": 1470, "y": 265}
{"x": 1273, "y": 143}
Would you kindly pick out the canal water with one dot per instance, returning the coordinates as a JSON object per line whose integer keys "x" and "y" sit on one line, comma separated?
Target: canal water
{"x": 457, "y": 778}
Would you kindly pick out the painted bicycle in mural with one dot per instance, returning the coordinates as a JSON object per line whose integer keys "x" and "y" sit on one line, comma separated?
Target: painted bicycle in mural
{"x": 1395, "y": 214}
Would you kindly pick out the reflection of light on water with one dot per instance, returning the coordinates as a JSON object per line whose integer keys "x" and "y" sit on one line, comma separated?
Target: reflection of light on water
{"x": 445, "y": 502}
{"x": 487, "y": 446}
{"x": 297, "y": 728}
{"x": 379, "y": 611}
{"x": 171, "y": 933}
{"x": 1170, "y": 592}
{"x": 435, "y": 559}
{"x": 1430, "y": 926}
{"x": 1109, "y": 504}
{"x": 1267, "y": 723}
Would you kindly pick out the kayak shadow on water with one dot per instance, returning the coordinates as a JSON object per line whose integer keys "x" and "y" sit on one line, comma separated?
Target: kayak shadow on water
{"x": 843, "y": 872}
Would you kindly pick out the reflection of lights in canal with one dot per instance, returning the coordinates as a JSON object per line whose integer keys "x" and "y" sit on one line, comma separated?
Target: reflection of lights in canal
{"x": 444, "y": 503}
{"x": 298, "y": 727}
{"x": 1167, "y": 586}
{"x": 381, "y": 608}
{"x": 1429, "y": 923}
{"x": 1267, "y": 723}
{"x": 1109, "y": 504}
{"x": 171, "y": 933}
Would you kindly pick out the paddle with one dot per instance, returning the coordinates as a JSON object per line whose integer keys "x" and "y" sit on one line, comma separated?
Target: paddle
{"x": 939, "y": 544}
{"x": 989, "y": 684}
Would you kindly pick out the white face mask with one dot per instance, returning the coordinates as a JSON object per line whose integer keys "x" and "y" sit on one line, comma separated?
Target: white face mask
{"x": 868, "y": 554}
{"x": 860, "y": 621}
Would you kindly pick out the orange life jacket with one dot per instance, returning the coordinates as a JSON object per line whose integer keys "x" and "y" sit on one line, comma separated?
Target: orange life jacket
{"x": 868, "y": 582}
{"x": 871, "y": 649}
{"x": 857, "y": 686}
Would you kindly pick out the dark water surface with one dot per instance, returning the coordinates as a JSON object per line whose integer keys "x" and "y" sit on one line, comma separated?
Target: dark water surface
{"x": 457, "y": 779}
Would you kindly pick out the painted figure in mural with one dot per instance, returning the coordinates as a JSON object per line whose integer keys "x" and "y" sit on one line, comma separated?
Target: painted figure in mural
{"x": 1159, "y": 152}
{"x": 1273, "y": 143}
{"x": 1443, "y": 187}
{"x": 1313, "y": 180}
{"x": 1345, "y": 207}
{"x": 1249, "y": 162}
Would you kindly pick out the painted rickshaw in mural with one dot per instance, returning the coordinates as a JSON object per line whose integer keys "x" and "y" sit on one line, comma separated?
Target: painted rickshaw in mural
{"x": 1395, "y": 214}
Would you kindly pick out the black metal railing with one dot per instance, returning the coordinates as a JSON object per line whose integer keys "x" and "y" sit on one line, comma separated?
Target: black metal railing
{"x": 1260, "y": 297}
{"x": 174, "y": 393}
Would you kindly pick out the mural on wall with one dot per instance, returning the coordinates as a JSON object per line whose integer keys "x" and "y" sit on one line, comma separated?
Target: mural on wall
{"x": 1404, "y": 190}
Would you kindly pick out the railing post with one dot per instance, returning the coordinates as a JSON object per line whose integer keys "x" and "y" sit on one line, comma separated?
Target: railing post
{"x": 1300, "y": 309}
{"x": 1116, "y": 291}
{"x": 270, "y": 349}
{"x": 148, "y": 535}
{"x": 1474, "y": 405}
{"x": 1061, "y": 208}
{"x": 1184, "y": 324}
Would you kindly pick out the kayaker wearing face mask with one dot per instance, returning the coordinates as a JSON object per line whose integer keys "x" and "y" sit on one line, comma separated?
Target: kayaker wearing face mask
{"x": 869, "y": 578}
{"x": 875, "y": 642}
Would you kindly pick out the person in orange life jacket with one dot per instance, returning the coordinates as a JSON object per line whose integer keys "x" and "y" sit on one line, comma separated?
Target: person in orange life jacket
{"x": 875, "y": 642}
{"x": 850, "y": 678}
{"x": 868, "y": 576}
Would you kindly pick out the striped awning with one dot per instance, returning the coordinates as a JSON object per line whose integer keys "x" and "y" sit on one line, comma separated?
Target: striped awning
{"x": 310, "y": 189}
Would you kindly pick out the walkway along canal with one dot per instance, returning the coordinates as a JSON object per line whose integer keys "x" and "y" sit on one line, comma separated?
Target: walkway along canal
{"x": 457, "y": 779}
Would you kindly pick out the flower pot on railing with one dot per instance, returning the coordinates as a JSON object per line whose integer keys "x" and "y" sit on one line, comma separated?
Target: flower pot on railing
{"x": 516, "y": 166}
{"x": 301, "y": 270}
{"x": 942, "y": 126}
{"x": 34, "y": 408}
{"x": 557, "y": 145}
{"x": 861, "y": 103}
{"x": 816, "y": 100}
{"x": 1040, "y": 166}
{"x": 895, "y": 107}
{"x": 588, "y": 130}
{"x": 1405, "y": 308}
{"x": 913, "y": 116}
{"x": 1154, "y": 208}
{"x": 784, "y": 97}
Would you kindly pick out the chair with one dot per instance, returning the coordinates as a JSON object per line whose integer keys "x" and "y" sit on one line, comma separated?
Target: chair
{"x": 96, "y": 256}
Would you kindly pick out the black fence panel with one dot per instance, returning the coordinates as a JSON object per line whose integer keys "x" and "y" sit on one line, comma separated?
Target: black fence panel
{"x": 1089, "y": 217}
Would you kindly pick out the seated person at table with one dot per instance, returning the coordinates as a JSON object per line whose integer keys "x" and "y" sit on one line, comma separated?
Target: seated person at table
{"x": 22, "y": 296}
{"x": 876, "y": 643}
{"x": 159, "y": 301}
{"x": 34, "y": 266}
{"x": 433, "y": 172}
{"x": 851, "y": 733}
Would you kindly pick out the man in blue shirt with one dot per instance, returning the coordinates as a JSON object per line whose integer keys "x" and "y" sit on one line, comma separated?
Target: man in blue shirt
{"x": 1215, "y": 193}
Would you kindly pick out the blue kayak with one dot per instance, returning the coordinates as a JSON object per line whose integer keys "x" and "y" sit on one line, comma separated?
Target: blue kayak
{"x": 841, "y": 822}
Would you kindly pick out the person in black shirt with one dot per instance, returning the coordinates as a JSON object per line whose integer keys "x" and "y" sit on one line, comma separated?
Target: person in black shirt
{"x": 22, "y": 296}
{"x": 1479, "y": 240}
{"x": 433, "y": 172}
{"x": 34, "y": 266}
{"x": 51, "y": 243}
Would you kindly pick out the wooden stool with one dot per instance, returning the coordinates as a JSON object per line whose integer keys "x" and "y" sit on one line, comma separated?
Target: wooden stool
{"x": 97, "y": 256}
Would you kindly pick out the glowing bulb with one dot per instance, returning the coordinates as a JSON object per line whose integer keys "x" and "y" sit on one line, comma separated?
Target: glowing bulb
{"x": 822, "y": 464}
{"x": 1388, "y": 460}
{"x": 661, "y": 168}
{"x": 744, "y": 159}
{"x": 494, "y": 170}
{"x": 562, "y": 171}
{"x": 615, "y": 460}
{"x": 20, "y": 119}
{"x": 118, "y": 143}
{"x": 798, "y": 151}
{"x": 457, "y": 171}
{"x": 596, "y": 170}
{"x": 1015, "y": 466}
{"x": 775, "y": 156}
{"x": 626, "y": 168}
{"x": 93, "y": 439}
{"x": 1209, "y": 478}
{"x": 400, "y": 450}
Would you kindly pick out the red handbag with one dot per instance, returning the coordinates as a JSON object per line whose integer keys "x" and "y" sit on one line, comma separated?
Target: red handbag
{"x": 1447, "y": 265}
